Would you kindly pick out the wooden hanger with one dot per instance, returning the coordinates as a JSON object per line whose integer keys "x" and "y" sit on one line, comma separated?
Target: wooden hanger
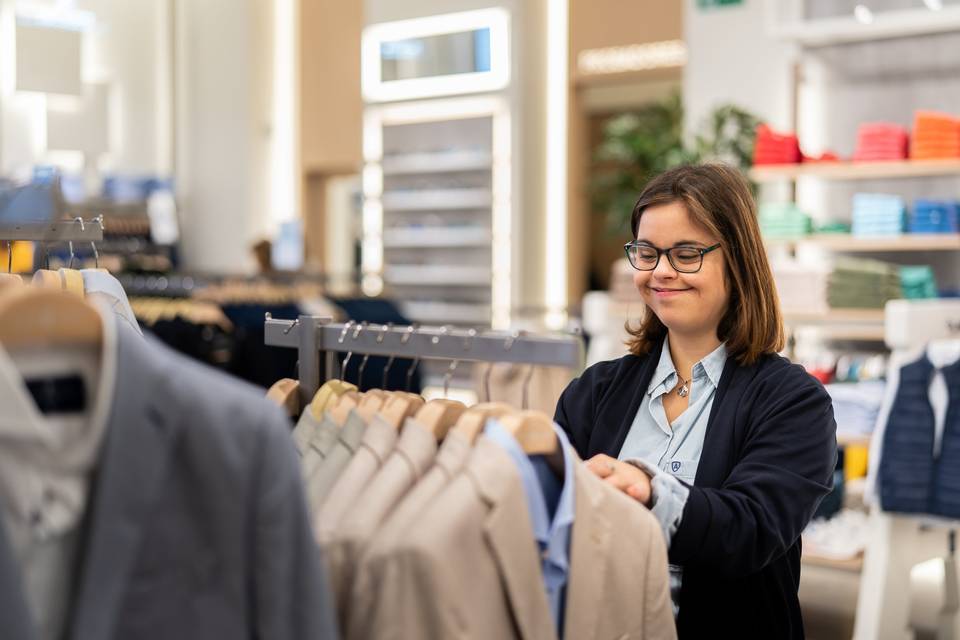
{"x": 47, "y": 279}
{"x": 471, "y": 422}
{"x": 35, "y": 317}
{"x": 341, "y": 409}
{"x": 370, "y": 405}
{"x": 10, "y": 280}
{"x": 400, "y": 407}
{"x": 327, "y": 394}
{"x": 286, "y": 393}
{"x": 533, "y": 430}
{"x": 439, "y": 415}
{"x": 72, "y": 281}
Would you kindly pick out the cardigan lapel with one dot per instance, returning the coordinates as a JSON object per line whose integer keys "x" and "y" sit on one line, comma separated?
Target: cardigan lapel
{"x": 645, "y": 368}
{"x": 588, "y": 560}
{"x": 140, "y": 437}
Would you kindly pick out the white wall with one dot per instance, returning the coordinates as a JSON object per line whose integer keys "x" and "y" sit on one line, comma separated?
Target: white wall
{"x": 121, "y": 49}
{"x": 223, "y": 92}
{"x": 732, "y": 59}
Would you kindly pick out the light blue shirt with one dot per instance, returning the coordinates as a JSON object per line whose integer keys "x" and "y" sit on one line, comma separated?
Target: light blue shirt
{"x": 550, "y": 502}
{"x": 670, "y": 453}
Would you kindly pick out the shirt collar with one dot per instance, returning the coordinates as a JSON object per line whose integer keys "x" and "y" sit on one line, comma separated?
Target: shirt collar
{"x": 711, "y": 365}
{"x": 554, "y": 536}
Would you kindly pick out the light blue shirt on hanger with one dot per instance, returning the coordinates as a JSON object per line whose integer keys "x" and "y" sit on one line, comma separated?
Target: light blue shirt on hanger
{"x": 670, "y": 453}
{"x": 551, "y": 504}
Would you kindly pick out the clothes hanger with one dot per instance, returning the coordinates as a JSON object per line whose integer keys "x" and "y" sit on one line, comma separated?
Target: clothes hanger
{"x": 38, "y": 317}
{"x": 437, "y": 416}
{"x": 400, "y": 407}
{"x": 533, "y": 430}
{"x": 341, "y": 410}
{"x": 471, "y": 423}
{"x": 70, "y": 278}
{"x": 10, "y": 279}
{"x": 286, "y": 393}
{"x": 370, "y": 405}
{"x": 45, "y": 278}
{"x": 327, "y": 395}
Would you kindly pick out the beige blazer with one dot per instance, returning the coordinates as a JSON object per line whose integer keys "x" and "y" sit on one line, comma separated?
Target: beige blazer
{"x": 322, "y": 441}
{"x": 469, "y": 567}
{"x": 415, "y": 451}
{"x": 321, "y": 480}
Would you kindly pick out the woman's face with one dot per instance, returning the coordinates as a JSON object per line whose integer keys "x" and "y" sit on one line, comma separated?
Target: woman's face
{"x": 686, "y": 303}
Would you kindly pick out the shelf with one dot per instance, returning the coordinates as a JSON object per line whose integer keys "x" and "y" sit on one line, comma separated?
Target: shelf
{"x": 436, "y": 162}
{"x": 845, "y": 242}
{"x": 860, "y": 440}
{"x": 433, "y": 199}
{"x": 857, "y": 170}
{"x": 436, "y": 237}
{"x": 859, "y": 325}
{"x": 438, "y": 275}
{"x": 885, "y": 25}
{"x": 849, "y": 316}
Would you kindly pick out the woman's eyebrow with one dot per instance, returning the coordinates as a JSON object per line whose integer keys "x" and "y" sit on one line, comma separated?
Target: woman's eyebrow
{"x": 675, "y": 244}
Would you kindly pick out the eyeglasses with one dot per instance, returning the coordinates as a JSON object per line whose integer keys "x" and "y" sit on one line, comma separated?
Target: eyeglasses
{"x": 646, "y": 257}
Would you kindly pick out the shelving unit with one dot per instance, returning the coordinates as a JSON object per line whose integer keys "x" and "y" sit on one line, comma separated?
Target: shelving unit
{"x": 437, "y": 199}
{"x": 436, "y": 162}
{"x": 856, "y": 170}
{"x": 435, "y": 237}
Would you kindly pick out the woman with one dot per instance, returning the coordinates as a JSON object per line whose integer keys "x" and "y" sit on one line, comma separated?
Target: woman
{"x": 730, "y": 446}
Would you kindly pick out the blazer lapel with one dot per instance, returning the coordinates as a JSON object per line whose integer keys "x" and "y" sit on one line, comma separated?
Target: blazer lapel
{"x": 15, "y": 616}
{"x": 588, "y": 560}
{"x": 140, "y": 432}
{"x": 510, "y": 536}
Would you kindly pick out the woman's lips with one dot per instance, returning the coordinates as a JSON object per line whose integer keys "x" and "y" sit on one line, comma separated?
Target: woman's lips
{"x": 667, "y": 293}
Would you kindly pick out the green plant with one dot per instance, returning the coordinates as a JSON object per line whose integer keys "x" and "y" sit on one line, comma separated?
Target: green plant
{"x": 638, "y": 145}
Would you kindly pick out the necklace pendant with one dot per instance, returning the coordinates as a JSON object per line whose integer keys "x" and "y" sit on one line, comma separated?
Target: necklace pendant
{"x": 683, "y": 391}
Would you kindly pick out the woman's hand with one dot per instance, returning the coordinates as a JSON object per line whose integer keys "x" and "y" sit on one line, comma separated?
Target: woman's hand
{"x": 624, "y": 476}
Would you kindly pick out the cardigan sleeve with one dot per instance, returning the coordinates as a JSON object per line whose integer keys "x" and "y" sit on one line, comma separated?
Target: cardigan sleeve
{"x": 576, "y": 408}
{"x": 785, "y": 468}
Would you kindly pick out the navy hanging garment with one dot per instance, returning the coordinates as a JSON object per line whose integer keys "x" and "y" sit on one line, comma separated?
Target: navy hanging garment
{"x": 907, "y": 465}
{"x": 946, "y": 490}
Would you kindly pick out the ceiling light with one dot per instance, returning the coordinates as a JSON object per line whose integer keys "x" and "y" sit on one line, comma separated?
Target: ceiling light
{"x": 934, "y": 5}
{"x": 863, "y": 14}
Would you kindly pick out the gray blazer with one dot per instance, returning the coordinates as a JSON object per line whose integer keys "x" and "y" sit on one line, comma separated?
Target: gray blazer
{"x": 198, "y": 526}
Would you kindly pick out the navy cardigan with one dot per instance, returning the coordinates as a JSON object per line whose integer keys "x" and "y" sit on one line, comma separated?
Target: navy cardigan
{"x": 768, "y": 459}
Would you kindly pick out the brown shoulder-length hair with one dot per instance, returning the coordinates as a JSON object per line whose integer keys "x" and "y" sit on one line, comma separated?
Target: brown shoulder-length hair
{"x": 718, "y": 198}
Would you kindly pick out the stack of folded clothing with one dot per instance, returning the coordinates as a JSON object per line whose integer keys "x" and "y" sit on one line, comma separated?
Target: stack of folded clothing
{"x": 802, "y": 288}
{"x": 880, "y": 141}
{"x": 858, "y": 283}
{"x": 935, "y": 216}
{"x": 783, "y": 220}
{"x": 918, "y": 282}
{"x": 935, "y": 135}
{"x": 775, "y": 148}
{"x": 878, "y": 214}
{"x": 856, "y": 405}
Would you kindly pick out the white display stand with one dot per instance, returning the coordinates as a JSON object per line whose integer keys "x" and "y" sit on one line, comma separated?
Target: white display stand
{"x": 899, "y": 542}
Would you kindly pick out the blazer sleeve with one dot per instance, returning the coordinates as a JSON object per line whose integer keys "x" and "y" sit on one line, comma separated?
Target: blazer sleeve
{"x": 785, "y": 468}
{"x": 292, "y": 598}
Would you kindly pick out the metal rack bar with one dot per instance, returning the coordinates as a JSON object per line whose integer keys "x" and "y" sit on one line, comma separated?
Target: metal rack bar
{"x": 311, "y": 334}
{"x": 59, "y": 231}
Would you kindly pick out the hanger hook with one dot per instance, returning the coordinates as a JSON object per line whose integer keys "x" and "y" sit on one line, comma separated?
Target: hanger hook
{"x": 526, "y": 388}
{"x": 292, "y": 325}
{"x": 444, "y": 330}
{"x": 386, "y": 367}
{"x": 383, "y": 332}
{"x": 416, "y": 361}
{"x": 508, "y": 344}
{"x": 344, "y": 331}
{"x": 9, "y": 256}
{"x": 486, "y": 382}
{"x": 73, "y": 256}
{"x": 468, "y": 341}
{"x": 366, "y": 357}
{"x": 448, "y": 376}
{"x": 93, "y": 245}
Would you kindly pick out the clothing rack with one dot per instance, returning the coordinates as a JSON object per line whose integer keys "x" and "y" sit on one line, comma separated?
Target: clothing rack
{"x": 76, "y": 230}
{"x": 311, "y": 335}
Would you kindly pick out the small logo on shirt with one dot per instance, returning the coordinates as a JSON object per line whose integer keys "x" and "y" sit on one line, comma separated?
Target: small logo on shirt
{"x": 675, "y": 466}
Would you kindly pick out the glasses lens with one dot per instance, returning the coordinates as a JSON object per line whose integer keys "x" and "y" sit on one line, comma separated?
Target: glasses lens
{"x": 686, "y": 259}
{"x": 643, "y": 257}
